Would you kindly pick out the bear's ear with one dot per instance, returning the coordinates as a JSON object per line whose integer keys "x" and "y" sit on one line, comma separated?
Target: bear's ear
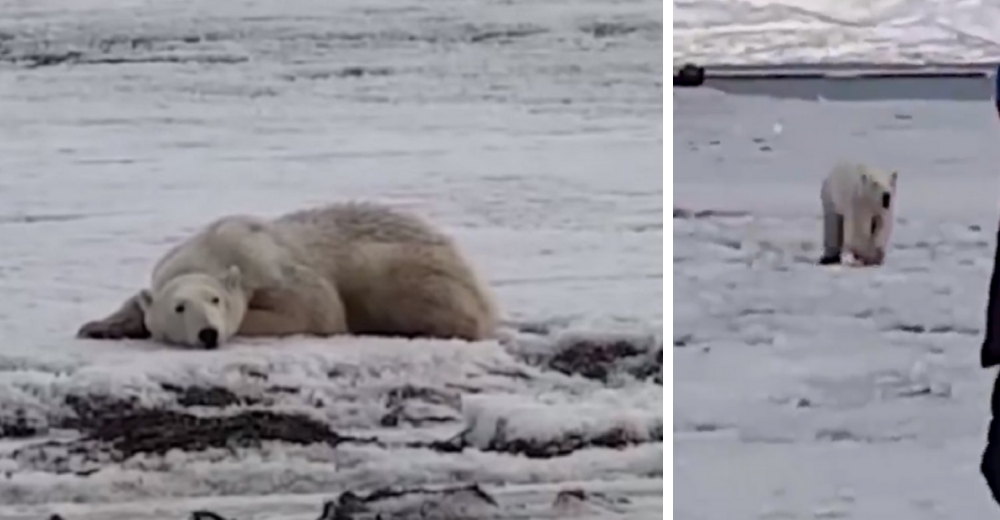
{"x": 864, "y": 178}
{"x": 145, "y": 300}
{"x": 233, "y": 277}
{"x": 892, "y": 179}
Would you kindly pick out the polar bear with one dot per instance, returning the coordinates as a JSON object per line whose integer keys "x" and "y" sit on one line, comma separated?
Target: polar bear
{"x": 858, "y": 207}
{"x": 354, "y": 268}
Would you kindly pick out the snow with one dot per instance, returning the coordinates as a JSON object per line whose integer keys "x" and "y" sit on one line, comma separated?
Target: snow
{"x": 530, "y": 132}
{"x": 783, "y": 32}
{"x": 830, "y": 392}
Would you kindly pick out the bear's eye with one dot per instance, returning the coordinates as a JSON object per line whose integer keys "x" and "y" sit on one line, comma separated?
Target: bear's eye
{"x": 215, "y": 300}
{"x": 179, "y": 309}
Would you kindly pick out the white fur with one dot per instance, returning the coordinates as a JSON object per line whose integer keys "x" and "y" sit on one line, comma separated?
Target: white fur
{"x": 357, "y": 268}
{"x": 852, "y": 196}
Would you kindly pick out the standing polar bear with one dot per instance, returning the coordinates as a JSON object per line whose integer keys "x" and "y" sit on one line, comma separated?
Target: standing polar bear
{"x": 346, "y": 268}
{"x": 858, "y": 207}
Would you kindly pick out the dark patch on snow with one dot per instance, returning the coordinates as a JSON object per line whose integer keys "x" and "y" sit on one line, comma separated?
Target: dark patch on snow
{"x": 845, "y": 435}
{"x": 206, "y": 515}
{"x": 399, "y": 411}
{"x": 129, "y": 429}
{"x": 453, "y": 502}
{"x": 683, "y": 340}
{"x": 207, "y": 396}
{"x": 46, "y": 59}
{"x": 757, "y": 312}
{"x": 345, "y": 72}
{"x": 50, "y": 59}
{"x": 19, "y": 427}
{"x": 395, "y": 503}
{"x": 220, "y": 397}
{"x": 642, "y": 228}
{"x": 578, "y": 502}
{"x": 683, "y": 213}
{"x": 159, "y": 431}
{"x": 612, "y": 29}
{"x": 868, "y": 313}
{"x": 616, "y": 438}
{"x": 455, "y": 444}
{"x": 597, "y": 358}
{"x": 32, "y": 219}
{"x": 540, "y": 327}
{"x": 513, "y": 373}
{"x": 503, "y": 34}
{"x": 916, "y": 328}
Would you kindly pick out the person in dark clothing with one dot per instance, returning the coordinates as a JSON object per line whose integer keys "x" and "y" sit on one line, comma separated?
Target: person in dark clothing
{"x": 996, "y": 90}
{"x": 989, "y": 356}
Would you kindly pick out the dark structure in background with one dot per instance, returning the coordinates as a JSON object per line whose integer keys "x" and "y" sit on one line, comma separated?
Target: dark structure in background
{"x": 689, "y": 75}
{"x": 845, "y": 82}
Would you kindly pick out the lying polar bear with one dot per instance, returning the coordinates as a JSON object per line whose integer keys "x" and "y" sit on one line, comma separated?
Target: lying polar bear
{"x": 347, "y": 268}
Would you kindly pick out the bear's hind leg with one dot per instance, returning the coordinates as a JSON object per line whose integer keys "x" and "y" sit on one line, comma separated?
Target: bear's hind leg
{"x": 833, "y": 237}
{"x": 422, "y": 292}
{"x": 127, "y": 322}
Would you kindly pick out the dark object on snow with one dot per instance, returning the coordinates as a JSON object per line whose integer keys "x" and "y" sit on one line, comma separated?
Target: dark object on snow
{"x": 829, "y": 259}
{"x": 689, "y": 75}
{"x": 989, "y": 356}
{"x": 394, "y": 503}
{"x": 206, "y": 515}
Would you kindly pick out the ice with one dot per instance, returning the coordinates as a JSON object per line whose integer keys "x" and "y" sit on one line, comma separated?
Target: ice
{"x": 530, "y": 131}
{"x": 782, "y": 32}
{"x": 804, "y": 391}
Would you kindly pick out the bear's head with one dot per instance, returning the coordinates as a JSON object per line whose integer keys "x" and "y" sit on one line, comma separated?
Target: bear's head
{"x": 879, "y": 188}
{"x": 195, "y": 310}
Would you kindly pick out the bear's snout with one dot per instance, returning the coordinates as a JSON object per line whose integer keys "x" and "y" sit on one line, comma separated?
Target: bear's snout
{"x": 209, "y": 338}
{"x": 886, "y": 198}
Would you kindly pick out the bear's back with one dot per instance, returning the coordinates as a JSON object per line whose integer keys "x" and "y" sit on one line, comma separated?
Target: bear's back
{"x": 362, "y": 222}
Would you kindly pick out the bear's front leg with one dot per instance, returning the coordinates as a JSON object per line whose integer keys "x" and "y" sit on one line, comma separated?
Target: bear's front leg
{"x": 864, "y": 244}
{"x": 127, "y": 322}
{"x": 261, "y": 322}
{"x": 314, "y": 309}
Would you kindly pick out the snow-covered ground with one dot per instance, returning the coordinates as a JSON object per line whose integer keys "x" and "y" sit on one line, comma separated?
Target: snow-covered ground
{"x": 770, "y": 32}
{"x": 531, "y": 130}
{"x": 803, "y": 391}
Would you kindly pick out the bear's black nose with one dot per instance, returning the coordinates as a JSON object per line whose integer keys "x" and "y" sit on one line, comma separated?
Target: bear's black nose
{"x": 209, "y": 338}
{"x": 886, "y": 198}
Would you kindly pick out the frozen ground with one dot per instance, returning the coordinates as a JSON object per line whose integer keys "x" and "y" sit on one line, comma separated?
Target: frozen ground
{"x": 829, "y": 392}
{"x": 768, "y": 32}
{"x": 530, "y": 130}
